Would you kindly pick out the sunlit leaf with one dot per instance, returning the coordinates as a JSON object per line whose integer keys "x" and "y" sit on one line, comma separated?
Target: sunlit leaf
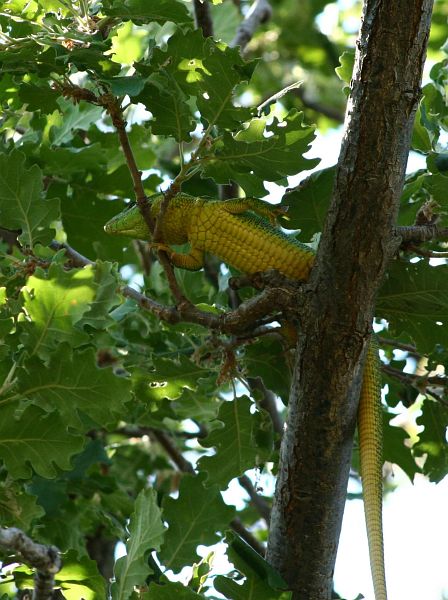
{"x": 146, "y": 532}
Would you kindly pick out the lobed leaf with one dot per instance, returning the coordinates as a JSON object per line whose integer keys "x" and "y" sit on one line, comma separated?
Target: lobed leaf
{"x": 235, "y": 441}
{"x": 414, "y": 298}
{"x": 146, "y": 533}
{"x": 193, "y": 518}
{"x": 55, "y": 302}
{"x": 21, "y": 203}
{"x": 263, "y": 151}
{"x": 169, "y": 590}
{"x": 146, "y": 11}
{"x": 36, "y": 441}
{"x": 73, "y": 384}
{"x": 432, "y": 440}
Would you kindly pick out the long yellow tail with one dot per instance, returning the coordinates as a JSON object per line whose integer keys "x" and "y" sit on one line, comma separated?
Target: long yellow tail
{"x": 370, "y": 433}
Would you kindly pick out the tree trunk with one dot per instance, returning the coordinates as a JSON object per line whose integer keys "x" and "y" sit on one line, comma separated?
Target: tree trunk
{"x": 337, "y": 303}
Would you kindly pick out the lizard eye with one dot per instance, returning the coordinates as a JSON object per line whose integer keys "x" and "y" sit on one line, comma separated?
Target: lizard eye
{"x": 129, "y": 206}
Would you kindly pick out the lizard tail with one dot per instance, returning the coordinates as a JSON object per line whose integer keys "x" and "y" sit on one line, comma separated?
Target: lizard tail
{"x": 371, "y": 462}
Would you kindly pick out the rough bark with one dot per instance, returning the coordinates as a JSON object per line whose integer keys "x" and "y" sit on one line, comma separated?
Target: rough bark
{"x": 338, "y": 301}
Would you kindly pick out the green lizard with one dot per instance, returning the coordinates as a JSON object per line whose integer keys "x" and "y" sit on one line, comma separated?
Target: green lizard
{"x": 242, "y": 233}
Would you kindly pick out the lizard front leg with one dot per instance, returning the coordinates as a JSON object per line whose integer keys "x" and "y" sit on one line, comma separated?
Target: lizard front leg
{"x": 262, "y": 208}
{"x": 193, "y": 261}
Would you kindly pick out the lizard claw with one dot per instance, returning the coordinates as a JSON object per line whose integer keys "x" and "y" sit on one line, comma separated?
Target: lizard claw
{"x": 159, "y": 246}
{"x": 277, "y": 211}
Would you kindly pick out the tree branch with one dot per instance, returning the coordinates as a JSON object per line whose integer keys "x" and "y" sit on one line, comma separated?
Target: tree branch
{"x": 400, "y": 345}
{"x": 202, "y": 17}
{"x": 45, "y": 559}
{"x": 259, "y": 13}
{"x": 241, "y": 320}
{"x": 421, "y": 233}
{"x": 338, "y": 302}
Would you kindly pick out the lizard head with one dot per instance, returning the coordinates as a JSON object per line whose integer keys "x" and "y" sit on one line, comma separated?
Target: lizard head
{"x": 129, "y": 222}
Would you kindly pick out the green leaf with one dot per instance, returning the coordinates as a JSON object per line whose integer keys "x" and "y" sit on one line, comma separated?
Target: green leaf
{"x": 395, "y": 450}
{"x": 207, "y": 70}
{"x": 168, "y": 104}
{"x": 22, "y": 58}
{"x": 74, "y": 117}
{"x": 105, "y": 299}
{"x": 260, "y": 578}
{"x": 258, "y": 363}
{"x": 308, "y": 203}
{"x": 432, "y": 440}
{"x": 120, "y": 86}
{"x": 21, "y": 203}
{"x": 93, "y": 58}
{"x": 345, "y": 71}
{"x": 170, "y": 590}
{"x": 193, "y": 518}
{"x": 55, "y": 302}
{"x": 146, "y": 11}
{"x": 193, "y": 405}
{"x": 73, "y": 383}
{"x": 36, "y": 440}
{"x": 146, "y": 532}
{"x": 84, "y": 219}
{"x": 235, "y": 442}
{"x": 39, "y": 97}
{"x": 80, "y": 578}
{"x": 414, "y": 298}
{"x": 441, "y": 162}
{"x": 168, "y": 379}
{"x": 129, "y": 43}
{"x": 223, "y": 70}
{"x": 226, "y": 19}
{"x": 67, "y": 161}
{"x": 266, "y": 151}
{"x": 421, "y": 140}
{"x": 17, "y": 507}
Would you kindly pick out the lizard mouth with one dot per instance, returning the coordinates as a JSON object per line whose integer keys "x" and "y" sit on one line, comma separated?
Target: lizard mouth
{"x": 110, "y": 229}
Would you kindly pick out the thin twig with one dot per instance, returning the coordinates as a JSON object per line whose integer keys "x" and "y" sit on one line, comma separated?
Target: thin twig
{"x": 173, "y": 451}
{"x": 259, "y": 13}
{"x": 425, "y": 253}
{"x": 400, "y": 345}
{"x": 421, "y": 383}
{"x": 202, "y": 17}
{"x": 259, "y": 503}
{"x": 112, "y": 106}
{"x": 267, "y": 402}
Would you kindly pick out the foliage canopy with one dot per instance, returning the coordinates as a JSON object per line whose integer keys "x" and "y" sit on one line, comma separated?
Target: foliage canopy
{"x": 102, "y": 402}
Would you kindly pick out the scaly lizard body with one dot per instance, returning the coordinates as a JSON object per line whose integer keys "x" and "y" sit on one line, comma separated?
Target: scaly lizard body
{"x": 242, "y": 233}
